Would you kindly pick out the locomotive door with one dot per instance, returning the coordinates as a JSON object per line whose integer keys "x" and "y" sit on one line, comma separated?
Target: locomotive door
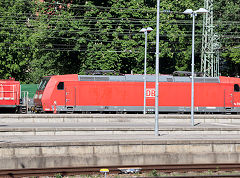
{"x": 228, "y": 99}
{"x": 236, "y": 96}
{"x": 70, "y": 98}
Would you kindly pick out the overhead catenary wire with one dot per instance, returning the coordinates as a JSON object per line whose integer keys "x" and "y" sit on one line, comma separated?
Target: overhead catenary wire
{"x": 127, "y": 21}
{"x": 92, "y": 6}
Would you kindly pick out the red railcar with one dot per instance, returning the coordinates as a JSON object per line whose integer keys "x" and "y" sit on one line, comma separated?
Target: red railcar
{"x": 93, "y": 93}
{"x": 10, "y": 93}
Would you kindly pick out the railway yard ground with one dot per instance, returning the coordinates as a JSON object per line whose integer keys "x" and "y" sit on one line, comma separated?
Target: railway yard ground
{"x": 68, "y": 140}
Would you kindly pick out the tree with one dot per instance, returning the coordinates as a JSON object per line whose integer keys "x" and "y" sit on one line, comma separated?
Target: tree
{"x": 66, "y": 36}
{"x": 53, "y": 42}
{"x": 227, "y": 25}
{"x": 14, "y": 43}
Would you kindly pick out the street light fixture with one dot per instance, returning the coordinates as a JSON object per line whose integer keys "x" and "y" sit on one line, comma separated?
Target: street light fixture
{"x": 145, "y": 30}
{"x": 193, "y": 14}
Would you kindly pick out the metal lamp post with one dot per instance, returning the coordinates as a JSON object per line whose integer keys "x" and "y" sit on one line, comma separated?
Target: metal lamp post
{"x": 193, "y": 14}
{"x": 156, "y": 126}
{"x": 145, "y": 30}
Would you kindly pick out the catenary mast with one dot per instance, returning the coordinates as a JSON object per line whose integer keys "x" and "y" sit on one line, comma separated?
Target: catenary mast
{"x": 210, "y": 44}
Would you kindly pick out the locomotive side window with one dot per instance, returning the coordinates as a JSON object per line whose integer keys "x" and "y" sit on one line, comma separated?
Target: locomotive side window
{"x": 60, "y": 86}
{"x": 236, "y": 88}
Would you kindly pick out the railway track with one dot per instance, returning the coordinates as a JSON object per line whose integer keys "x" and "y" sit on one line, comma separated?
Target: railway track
{"x": 65, "y": 171}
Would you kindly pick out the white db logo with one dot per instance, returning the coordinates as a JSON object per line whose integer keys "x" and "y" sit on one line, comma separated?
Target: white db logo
{"x": 150, "y": 92}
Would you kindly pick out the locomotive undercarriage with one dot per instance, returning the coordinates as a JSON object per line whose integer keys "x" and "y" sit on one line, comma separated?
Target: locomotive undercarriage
{"x": 139, "y": 109}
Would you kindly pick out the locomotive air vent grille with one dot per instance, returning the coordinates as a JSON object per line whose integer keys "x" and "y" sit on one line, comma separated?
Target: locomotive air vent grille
{"x": 101, "y": 78}
{"x": 94, "y": 78}
{"x": 199, "y": 80}
{"x": 170, "y": 79}
{"x": 86, "y": 78}
{"x": 206, "y": 80}
{"x": 212, "y": 80}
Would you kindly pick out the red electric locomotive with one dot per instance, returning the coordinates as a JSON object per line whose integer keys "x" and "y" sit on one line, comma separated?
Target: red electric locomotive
{"x": 10, "y": 93}
{"x": 93, "y": 93}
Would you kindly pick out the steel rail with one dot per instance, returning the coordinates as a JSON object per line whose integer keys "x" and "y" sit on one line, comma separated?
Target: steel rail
{"x": 196, "y": 176}
{"x": 64, "y": 171}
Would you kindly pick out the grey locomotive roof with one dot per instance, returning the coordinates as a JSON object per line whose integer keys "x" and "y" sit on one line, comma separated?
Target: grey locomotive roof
{"x": 150, "y": 78}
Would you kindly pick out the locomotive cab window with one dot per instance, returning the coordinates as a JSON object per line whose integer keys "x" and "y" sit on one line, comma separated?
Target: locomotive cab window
{"x": 60, "y": 86}
{"x": 43, "y": 83}
{"x": 236, "y": 88}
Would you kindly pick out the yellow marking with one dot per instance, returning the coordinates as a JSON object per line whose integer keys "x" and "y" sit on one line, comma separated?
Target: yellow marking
{"x": 104, "y": 170}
